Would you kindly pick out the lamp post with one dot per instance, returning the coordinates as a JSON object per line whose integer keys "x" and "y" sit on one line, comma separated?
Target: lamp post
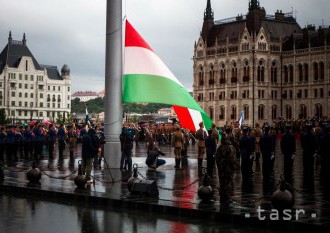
{"x": 253, "y": 74}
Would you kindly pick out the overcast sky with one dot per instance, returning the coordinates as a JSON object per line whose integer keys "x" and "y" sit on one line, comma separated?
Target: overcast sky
{"x": 73, "y": 31}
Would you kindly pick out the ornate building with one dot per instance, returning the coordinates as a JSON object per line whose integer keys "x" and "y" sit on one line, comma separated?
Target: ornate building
{"x": 28, "y": 90}
{"x": 264, "y": 65}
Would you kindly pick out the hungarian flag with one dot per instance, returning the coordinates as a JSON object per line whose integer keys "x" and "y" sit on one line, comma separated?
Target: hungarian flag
{"x": 148, "y": 80}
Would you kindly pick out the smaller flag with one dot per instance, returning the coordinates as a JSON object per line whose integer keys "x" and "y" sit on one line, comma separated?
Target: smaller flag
{"x": 241, "y": 119}
{"x": 87, "y": 116}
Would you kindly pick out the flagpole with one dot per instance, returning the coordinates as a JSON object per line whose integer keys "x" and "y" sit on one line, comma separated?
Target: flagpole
{"x": 113, "y": 83}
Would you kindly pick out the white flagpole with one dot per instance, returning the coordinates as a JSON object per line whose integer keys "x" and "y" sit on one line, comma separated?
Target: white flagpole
{"x": 113, "y": 83}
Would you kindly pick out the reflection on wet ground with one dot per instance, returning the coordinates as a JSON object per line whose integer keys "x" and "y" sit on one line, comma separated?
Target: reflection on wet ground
{"x": 29, "y": 215}
{"x": 310, "y": 193}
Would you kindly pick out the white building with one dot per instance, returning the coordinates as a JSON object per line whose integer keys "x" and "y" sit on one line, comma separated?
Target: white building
{"x": 84, "y": 96}
{"x": 28, "y": 90}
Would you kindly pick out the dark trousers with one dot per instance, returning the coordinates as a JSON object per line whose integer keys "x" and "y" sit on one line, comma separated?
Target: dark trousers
{"x": 51, "y": 146}
{"x": 2, "y": 152}
{"x": 10, "y": 151}
{"x": 308, "y": 163}
{"x": 126, "y": 155}
{"x": 210, "y": 164}
{"x": 61, "y": 146}
{"x": 288, "y": 165}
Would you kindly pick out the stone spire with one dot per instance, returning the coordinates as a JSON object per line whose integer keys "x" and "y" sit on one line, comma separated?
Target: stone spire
{"x": 254, "y": 5}
{"x": 10, "y": 39}
{"x": 24, "y": 39}
{"x": 208, "y": 14}
{"x": 208, "y": 20}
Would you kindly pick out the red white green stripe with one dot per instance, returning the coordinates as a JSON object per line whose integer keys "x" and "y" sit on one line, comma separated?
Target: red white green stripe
{"x": 148, "y": 80}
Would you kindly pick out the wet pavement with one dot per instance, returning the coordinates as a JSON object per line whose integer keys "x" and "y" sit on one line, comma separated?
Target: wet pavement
{"x": 309, "y": 194}
{"x": 32, "y": 215}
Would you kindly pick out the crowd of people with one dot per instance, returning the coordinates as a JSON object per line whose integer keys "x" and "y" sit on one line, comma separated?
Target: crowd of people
{"x": 235, "y": 146}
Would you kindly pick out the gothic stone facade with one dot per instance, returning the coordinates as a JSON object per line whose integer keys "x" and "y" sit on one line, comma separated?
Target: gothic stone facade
{"x": 264, "y": 65}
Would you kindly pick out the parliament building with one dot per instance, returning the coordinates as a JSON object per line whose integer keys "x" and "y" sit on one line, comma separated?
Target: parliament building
{"x": 265, "y": 65}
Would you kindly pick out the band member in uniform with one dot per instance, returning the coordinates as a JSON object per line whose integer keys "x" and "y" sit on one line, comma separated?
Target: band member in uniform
{"x": 177, "y": 143}
{"x": 211, "y": 148}
{"x": 61, "y": 134}
{"x": 3, "y": 136}
{"x": 51, "y": 140}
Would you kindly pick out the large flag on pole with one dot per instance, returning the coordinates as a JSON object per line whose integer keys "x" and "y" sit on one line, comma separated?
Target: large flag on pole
{"x": 148, "y": 80}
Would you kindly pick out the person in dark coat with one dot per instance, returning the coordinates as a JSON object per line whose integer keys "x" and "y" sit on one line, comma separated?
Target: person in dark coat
{"x": 10, "y": 144}
{"x": 325, "y": 152}
{"x": 308, "y": 144}
{"x": 88, "y": 151}
{"x": 247, "y": 146}
{"x": 126, "y": 142}
{"x": 288, "y": 149}
{"x": 61, "y": 136}
{"x": 51, "y": 140}
{"x": 211, "y": 148}
{"x": 267, "y": 148}
{"x": 3, "y": 136}
{"x": 152, "y": 159}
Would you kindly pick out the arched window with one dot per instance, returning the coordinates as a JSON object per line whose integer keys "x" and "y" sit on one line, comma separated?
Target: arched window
{"x": 211, "y": 75}
{"x": 291, "y": 73}
{"x": 273, "y": 72}
{"x": 246, "y": 70}
{"x": 222, "y": 73}
{"x": 200, "y": 76}
{"x": 261, "y": 112}
{"x": 316, "y": 71}
{"x": 26, "y": 95}
{"x": 31, "y": 95}
{"x": 318, "y": 111}
{"x": 321, "y": 71}
{"x": 222, "y": 113}
{"x": 306, "y": 72}
{"x": 274, "y": 112}
{"x": 286, "y": 74}
{"x": 246, "y": 112}
{"x": 233, "y": 112}
{"x": 261, "y": 71}
{"x": 234, "y": 72}
{"x": 302, "y": 111}
{"x": 300, "y": 73}
{"x": 211, "y": 112}
{"x": 288, "y": 112}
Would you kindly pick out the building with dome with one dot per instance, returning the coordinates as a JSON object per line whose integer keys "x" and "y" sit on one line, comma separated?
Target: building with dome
{"x": 29, "y": 90}
{"x": 265, "y": 65}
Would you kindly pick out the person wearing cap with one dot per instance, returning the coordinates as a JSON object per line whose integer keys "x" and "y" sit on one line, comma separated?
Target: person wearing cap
{"x": 267, "y": 148}
{"x": 247, "y": 146}
{"x": 28, "y": 142}
{"x": 201, "y": 136}
{"x": 177, "y": 143}
{"x": 288, "y": 149}
{"x": 308, "y": 144}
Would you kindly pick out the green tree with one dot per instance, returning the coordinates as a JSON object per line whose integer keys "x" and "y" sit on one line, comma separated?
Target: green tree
{"x": 3, "y": 118}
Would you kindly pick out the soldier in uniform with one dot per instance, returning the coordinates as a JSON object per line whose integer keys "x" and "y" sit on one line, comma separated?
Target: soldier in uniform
{"x": 308, "y": 144}
{"x": 257, "y": 132}
{"x": 325, "y": 152}
{"x": 10, "y": 144}
{"x": 177, "y": 143}
{"x": 267, "y": 147}
{"x": 225, "y": 160}
{"x": 201, "y": 136}
{"x": 288, "y": 149}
